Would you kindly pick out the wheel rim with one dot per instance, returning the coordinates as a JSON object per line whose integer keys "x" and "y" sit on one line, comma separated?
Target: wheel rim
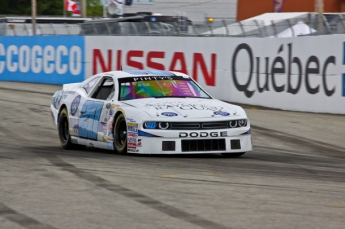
{"x": 121, "y": 133}
{"x": 64, "y": 129}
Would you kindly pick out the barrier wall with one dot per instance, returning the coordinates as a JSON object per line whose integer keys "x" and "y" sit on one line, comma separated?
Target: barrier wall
{"x": 42, "y": 59}
{"x": 302, "y": 73}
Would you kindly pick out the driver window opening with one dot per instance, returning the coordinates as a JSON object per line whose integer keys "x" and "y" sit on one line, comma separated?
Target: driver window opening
{"x": 106, "y": 90}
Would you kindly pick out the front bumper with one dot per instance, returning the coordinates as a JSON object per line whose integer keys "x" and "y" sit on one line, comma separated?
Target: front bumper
{"x": 190, "y": 145}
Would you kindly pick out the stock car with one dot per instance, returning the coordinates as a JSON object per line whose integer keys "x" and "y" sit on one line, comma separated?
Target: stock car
{"x": 148, "y": 112}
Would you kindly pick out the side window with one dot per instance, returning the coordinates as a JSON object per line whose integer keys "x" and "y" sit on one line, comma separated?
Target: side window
{"x": 88, "y": 87}
{"x": 105, "y": 90}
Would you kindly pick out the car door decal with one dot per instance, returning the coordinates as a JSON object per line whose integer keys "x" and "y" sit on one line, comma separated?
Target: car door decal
{"x": 89, "y": 119}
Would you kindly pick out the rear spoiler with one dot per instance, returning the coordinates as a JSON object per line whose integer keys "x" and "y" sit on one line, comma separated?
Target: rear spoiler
{"x": 70, "y": 86}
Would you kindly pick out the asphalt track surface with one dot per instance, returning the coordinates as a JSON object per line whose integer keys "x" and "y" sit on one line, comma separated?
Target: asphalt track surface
{"x": 294, "y": 177}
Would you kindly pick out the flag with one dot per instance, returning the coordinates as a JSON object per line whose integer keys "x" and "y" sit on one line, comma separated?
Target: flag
{"x": 278, "y": 5}
{"x": 76, "y": 10}
{"x": 70, "y": 5}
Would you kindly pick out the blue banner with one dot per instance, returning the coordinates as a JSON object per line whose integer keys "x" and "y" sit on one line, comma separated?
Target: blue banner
{"x": 42, "y": 59}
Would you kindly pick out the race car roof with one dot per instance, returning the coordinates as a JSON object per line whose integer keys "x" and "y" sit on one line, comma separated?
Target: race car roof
{"x": 136, "y": 73}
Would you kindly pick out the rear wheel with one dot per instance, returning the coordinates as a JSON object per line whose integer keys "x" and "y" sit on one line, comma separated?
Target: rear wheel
{"x": 232, "y": 155}
{"x": 120, "y": 135}
{"x": 63, "y": 128}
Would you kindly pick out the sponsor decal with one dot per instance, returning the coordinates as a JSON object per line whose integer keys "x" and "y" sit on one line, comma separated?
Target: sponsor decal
{"x": 132, "y": 127}
{"x": 75, "y": 105}
{"x": 133, "y": 150}
{"x": 108, "y": 106}
{"x": 132, "y": 145}
{"x": 139, "y": 143}
{"x": 152, "y": 78}
{"x": 151, "y": 72}
{"x": 130, "y": 120}
{"x": 169, "y": 114}
{"x": 110, "y": 145}
{"x": 183, "y": 106}
{"x": 203, "y": 134}
{"x": 89, "y": 119}
{"x": 282, "y": 65}
{"x": 102, "y": 62}
{"x": 111, "y": 112}
{"x": 74, "y": 127}
{"x": 54, "y": 60}
{"x": 134, "y": 135}
{"x": 104, "y": 138}
{"x": 222, "y": 113}
{"x": 56, "y": 99}
{"x": 132, "y": 140}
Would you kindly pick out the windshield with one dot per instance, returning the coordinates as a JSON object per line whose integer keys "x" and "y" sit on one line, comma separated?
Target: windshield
{"x": 159, "y": 87}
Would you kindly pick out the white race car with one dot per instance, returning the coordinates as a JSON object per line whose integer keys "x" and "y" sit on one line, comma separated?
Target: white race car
{"x": 148, "y": 112}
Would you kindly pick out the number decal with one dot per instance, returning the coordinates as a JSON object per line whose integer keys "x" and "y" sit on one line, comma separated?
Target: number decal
{"x": 89, "y": 119}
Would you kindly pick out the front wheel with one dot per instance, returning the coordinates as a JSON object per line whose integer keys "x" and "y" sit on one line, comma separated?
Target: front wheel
{"x": 120, "y": 135}
{"x": 232, "y": 155}
{"x": 63, "y": 128}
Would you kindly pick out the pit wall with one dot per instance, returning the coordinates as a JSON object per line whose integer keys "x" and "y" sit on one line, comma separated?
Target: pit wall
{"x": 299, "y": 74}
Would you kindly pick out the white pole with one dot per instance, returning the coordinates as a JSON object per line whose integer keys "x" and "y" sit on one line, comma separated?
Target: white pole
{"x": 83, "y": 8}
{"x": 319, "y": 10}
{"x": 33, "y": 11}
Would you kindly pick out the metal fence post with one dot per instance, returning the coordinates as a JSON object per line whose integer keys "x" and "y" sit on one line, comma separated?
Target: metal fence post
{"x": 52, "y": 27}
{"x": 108, "y": 28}
{"x": 177, "y": 28}
{"x": 341, "y": 19}
{"x": 94, "y": 29}
{"x": 290, "y": 26}
{"x": 66, "y": 27}
{"x": 148, "y": 27}
{"x": 274, "y": 28}
{"x": 325, "y": 23}
{"x": 226, "y": 27}
{"x": 257, "y": 25}
{"x": 307, "y": 22}
{"x": 241, "y": 26}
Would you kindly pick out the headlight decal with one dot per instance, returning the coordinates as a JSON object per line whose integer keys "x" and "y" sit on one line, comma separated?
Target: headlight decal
{"x": 150, "y": 125}
{"x": 145, "y": 134}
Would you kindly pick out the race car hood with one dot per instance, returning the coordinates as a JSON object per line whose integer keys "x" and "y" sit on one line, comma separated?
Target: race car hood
{"x": 186, "y": 107}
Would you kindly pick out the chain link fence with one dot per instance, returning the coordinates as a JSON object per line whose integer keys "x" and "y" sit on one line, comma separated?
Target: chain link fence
{"x": 296, "y": 26}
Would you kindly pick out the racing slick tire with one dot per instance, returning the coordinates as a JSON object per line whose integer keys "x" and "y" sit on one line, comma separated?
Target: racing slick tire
{"x": 120, "y": 135}
{"x": 232, "y": 155}
{"x": 63, "y": 129}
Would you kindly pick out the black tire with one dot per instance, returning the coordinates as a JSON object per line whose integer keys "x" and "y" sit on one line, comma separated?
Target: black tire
{"x": 232, "y": 155}
{"x": 63, "y": 129}
{"x": 120, "y": 135}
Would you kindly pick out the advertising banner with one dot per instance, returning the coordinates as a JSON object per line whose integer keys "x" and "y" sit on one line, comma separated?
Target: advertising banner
{"x": 301, "y": 73}
{"x": 42, "y": 59}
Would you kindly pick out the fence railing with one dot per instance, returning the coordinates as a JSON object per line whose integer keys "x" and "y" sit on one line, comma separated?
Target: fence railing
{"x": 297, "y": 26}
